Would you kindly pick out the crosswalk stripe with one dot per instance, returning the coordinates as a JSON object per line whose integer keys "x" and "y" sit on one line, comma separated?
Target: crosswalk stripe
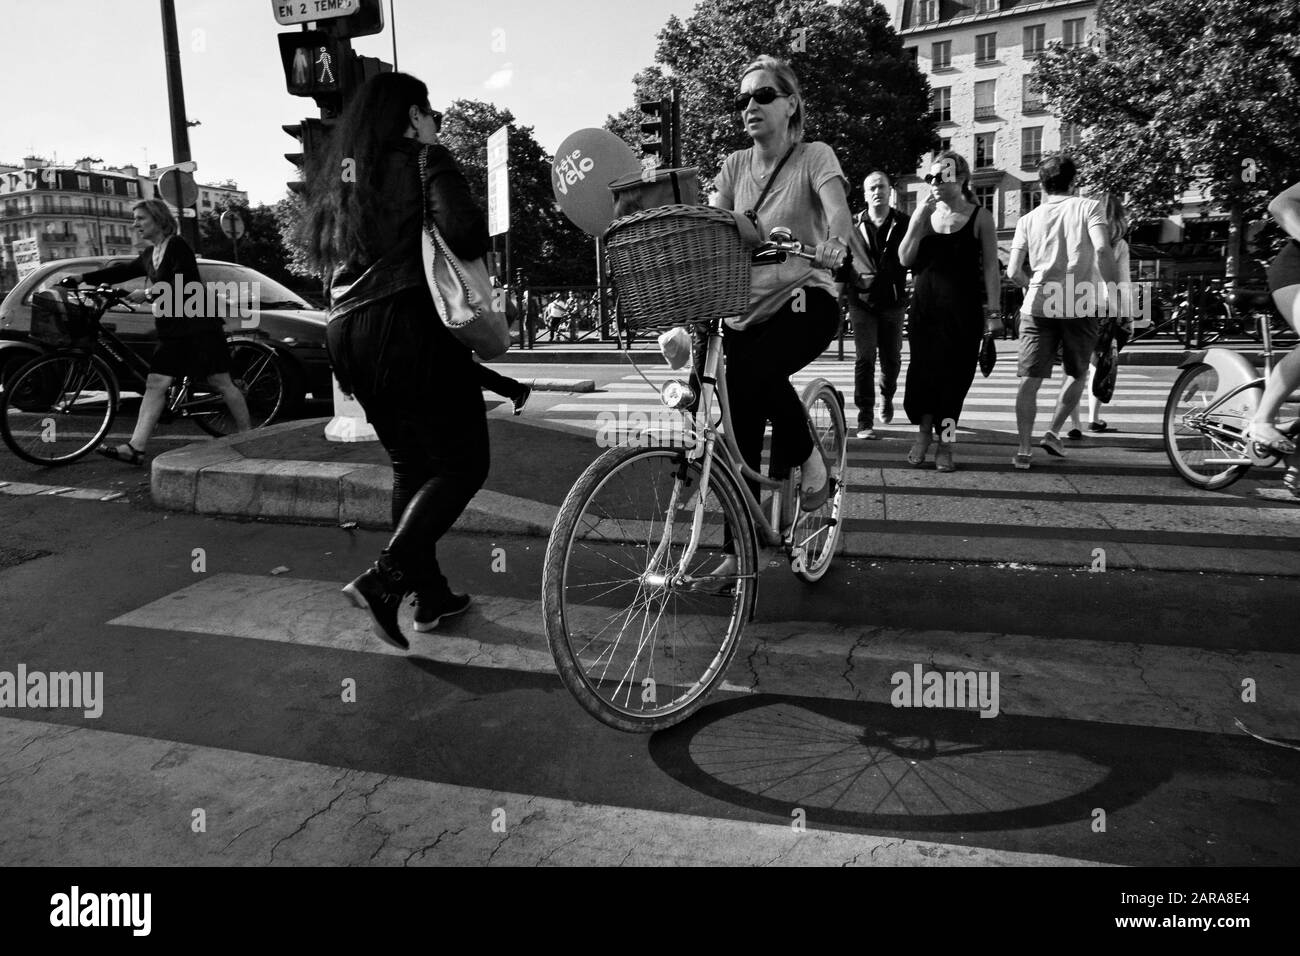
{"x": 1150, "y": 685}
{"x": 274, "y": 810}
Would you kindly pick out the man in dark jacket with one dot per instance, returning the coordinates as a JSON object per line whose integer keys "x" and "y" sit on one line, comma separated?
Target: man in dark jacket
{"x": 877, "y": 313}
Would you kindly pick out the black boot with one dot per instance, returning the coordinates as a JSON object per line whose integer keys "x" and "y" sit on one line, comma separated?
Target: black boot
{"x": 432, "y": 606}
{"x": 380, "y": 591}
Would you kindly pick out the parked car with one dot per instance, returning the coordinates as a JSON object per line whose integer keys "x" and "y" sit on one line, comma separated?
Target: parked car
{"x": 283, "y": 320}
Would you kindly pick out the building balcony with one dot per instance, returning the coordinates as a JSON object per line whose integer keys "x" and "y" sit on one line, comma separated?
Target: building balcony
{"x": 1030, "y": 160}
{"x": 51, "y": 237}
{"x": 1033, "y": 105}
{"x": 986, "y": 112}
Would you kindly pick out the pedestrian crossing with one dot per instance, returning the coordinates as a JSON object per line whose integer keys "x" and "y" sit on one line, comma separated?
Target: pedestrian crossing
{"x": 1137, "y": 407}
{"x": 795, "y": 753}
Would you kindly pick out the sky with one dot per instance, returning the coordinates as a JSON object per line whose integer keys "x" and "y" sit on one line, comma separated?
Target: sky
{"x": 87, "y": 78}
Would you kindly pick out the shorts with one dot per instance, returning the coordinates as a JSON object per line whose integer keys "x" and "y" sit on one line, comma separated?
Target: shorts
{"x": 1285, "y": 269}
{"x": 198, "y": 356}
{"x": 1041, "y": 337}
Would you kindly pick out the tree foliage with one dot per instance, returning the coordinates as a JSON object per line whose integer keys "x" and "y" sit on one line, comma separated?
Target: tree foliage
{"x": 862, "y": 95}
{"x": 262, "y": 247}
{"x": 1179, "y": 94}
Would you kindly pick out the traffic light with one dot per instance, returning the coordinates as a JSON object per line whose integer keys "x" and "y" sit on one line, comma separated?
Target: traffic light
{"x": 318, "y": 65}
{"x": 656, "y": 130}
{"x": 313, "y": 138}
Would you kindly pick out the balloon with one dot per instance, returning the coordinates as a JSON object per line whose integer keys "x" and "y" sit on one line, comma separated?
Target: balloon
{"x": 585, "y": 164}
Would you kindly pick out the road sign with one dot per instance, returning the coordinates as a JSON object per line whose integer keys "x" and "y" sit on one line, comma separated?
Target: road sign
{"x": 303, "y": 11}
{"x": 232, "y": 224}
{"x": 27, "y": 257}
{"x": 178, "y": 188}
{"x": 498, "y": 151}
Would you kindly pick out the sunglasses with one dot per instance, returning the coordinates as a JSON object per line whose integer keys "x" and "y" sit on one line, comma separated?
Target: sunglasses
{"x": 437, "y": 118}
{"x": 762, "y": 96}
{"x": 931, "y": 178}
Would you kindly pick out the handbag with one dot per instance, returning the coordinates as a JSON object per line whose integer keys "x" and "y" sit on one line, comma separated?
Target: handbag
{"x": 1107, "y": 355}
{"x": 462, "y": 290}
{"x": 988, "y": 354}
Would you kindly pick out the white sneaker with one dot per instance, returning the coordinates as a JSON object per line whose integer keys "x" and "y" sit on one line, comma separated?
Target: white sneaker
{"x": 868, "y": 434}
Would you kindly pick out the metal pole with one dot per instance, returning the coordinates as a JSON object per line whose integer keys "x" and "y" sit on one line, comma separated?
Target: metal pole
{"x": 677, "y": 130}
{"x": 176, "y": 106}
{"x": 392, "y": 23}
{"x": 234, "y": 241}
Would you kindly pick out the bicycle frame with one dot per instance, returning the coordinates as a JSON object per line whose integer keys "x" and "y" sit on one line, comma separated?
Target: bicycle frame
{"x": 705, "y": 448}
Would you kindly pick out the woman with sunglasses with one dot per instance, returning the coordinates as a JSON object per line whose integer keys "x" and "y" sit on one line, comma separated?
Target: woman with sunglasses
{"x": 952, "y": 249}
{"x": 418, "y": 385}
{"x": 793, "y": 309}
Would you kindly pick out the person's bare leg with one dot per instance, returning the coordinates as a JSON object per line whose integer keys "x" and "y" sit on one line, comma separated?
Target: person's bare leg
{"x": 1284, "y": 379}
{"x": 1071, "y": 392}
{"x": 234, "y": 399}
{"x": 1026, "y": 412}
{"x": 151, "y": 406}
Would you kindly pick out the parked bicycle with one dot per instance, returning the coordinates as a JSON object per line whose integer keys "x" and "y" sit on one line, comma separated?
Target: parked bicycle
{"x": 641, "y": 630}
{"x": 59, "y": 406}
{"x": 1208, "y": 415}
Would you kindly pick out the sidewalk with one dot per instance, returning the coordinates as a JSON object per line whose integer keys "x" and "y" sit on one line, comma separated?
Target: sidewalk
{"x": 1116, "y": 502}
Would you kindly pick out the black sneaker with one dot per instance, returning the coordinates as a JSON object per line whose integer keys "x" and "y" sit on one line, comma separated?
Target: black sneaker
{"x": 521, "y": 400}
{"x": 378, "y": 592}
{"x": 430, "y": 610}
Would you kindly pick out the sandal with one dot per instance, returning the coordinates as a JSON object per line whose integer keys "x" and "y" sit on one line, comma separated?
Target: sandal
{"x": 132, "y": 456}
{"x": 1281, "y": 445}
{"x": 916, "y": 457}
{"x": 1291, "y": 480}
{"x": 943, "y": 457}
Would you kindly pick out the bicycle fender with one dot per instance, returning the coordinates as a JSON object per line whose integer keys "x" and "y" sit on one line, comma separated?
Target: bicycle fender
{"x": 1233, "y": 368}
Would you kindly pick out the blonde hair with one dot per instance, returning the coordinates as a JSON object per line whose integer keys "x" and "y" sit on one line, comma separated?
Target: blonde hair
{"x": 157, "y": 210}
{"x": 1116, "y": 218}
{"x": 787, "y": 83}
{"x": 963, "y": 171}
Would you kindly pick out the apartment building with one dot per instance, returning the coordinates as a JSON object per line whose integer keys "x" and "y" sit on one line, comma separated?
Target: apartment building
{"x": 79, "y": 210}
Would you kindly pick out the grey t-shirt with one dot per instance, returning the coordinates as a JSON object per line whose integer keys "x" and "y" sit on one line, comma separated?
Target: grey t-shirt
{"x": 792, "y": 202}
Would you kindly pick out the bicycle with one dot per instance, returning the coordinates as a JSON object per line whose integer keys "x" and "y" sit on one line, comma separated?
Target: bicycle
{"x": 1208, "y": 415}
{"x": 640, "y": 631}
{"x": 59, "y": 406}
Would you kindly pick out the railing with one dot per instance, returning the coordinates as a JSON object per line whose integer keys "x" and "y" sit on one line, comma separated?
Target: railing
{"x": 1030, "y": 160}
{"x": 983, "y": 112}
{"x": 1035, "y": 104}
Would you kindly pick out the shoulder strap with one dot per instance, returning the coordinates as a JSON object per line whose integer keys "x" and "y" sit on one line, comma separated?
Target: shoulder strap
{"x": 752, "y": 212}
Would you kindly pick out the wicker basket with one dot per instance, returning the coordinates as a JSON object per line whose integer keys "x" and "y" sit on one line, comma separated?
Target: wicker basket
{"x": 674, "y": 265}
{"x": 59, "y": 320}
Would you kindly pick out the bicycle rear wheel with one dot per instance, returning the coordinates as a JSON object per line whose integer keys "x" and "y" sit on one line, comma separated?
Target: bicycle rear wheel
{"x": 57, "y": 408}
{"x": 817, "y": 533}
{"x": 639, "y": 651}
{"x": 260, "y": 374}
{"x": 1194, "y": 438}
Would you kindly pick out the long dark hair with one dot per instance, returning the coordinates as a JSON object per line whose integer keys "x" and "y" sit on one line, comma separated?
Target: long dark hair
{"x": 342, "y": 199}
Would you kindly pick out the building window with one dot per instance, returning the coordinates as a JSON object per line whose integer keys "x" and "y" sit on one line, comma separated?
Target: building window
{"x": 133, "y": 190}
{"x": 1031, "y": 147}
{"x": 983, "y": 150}
{"x": 1071, "y": 136}
{"x": 83, "y": 183}
{"x": 986, "y": 6}
{"x": 1031, "y": 98}
{"x": 910, "y": 53}
{"x": 941, "y": 55}
{"x": 1031, "y": 197}
{"x": 986, "y": 196}
{"x": 65, "y": 204}
{"x": 1034, "y": 39}
{"x": 985, "y": 99}
{"x": 945, "y": 143}
{"x": 1072, "y": 32}
{"x": 909, "y": 202}
{"x": 941, "y": 104}
{"x": 927, "y": 11}
{"x": 986, "y": 47}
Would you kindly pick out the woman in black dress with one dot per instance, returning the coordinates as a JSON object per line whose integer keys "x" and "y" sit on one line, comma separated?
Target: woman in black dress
{"x": 951, "y": 248}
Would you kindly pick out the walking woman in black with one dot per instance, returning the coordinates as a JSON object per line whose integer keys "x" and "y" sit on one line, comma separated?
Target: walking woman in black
{"x": 387, "y": 343}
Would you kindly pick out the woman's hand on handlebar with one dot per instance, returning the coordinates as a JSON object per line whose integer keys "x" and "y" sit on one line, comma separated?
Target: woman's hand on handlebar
{"x": 830, "y": 254}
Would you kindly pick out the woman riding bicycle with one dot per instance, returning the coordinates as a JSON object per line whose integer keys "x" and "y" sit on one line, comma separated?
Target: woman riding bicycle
{"x": 1284, "y": 283}
{"x": 793, "y": 309}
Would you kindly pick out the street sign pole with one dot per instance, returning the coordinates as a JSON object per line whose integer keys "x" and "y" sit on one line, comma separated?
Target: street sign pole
{"x": 176, "y": 105}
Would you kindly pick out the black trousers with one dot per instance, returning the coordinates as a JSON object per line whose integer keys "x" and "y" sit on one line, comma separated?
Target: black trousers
{"x": 760, "y": 361}
{"x": 421, "y": 391}
{"x": 495, "y": 382}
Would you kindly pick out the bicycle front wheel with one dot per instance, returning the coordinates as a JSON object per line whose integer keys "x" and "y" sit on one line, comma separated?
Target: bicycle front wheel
{"x": 260, "y": 375}
{"x": 57, "y": 408}
{"x": 1197, "y": 440}
{"x": 637, "y": 639}
{"x": 816, "y": 534}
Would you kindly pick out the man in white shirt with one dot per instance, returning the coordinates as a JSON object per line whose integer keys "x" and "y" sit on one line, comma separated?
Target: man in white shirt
{"x": 1064, "y": 241}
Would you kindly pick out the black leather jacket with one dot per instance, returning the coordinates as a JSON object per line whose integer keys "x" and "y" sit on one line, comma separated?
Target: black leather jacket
{"x": 399, "y": 221}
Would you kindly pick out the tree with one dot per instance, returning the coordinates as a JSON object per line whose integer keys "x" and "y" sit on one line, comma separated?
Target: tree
{"x": 1179, "y": 94}
{"x": 543, "y": 243}
{"x": 863, "y": 96}
{"x": 262, "y": 247}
